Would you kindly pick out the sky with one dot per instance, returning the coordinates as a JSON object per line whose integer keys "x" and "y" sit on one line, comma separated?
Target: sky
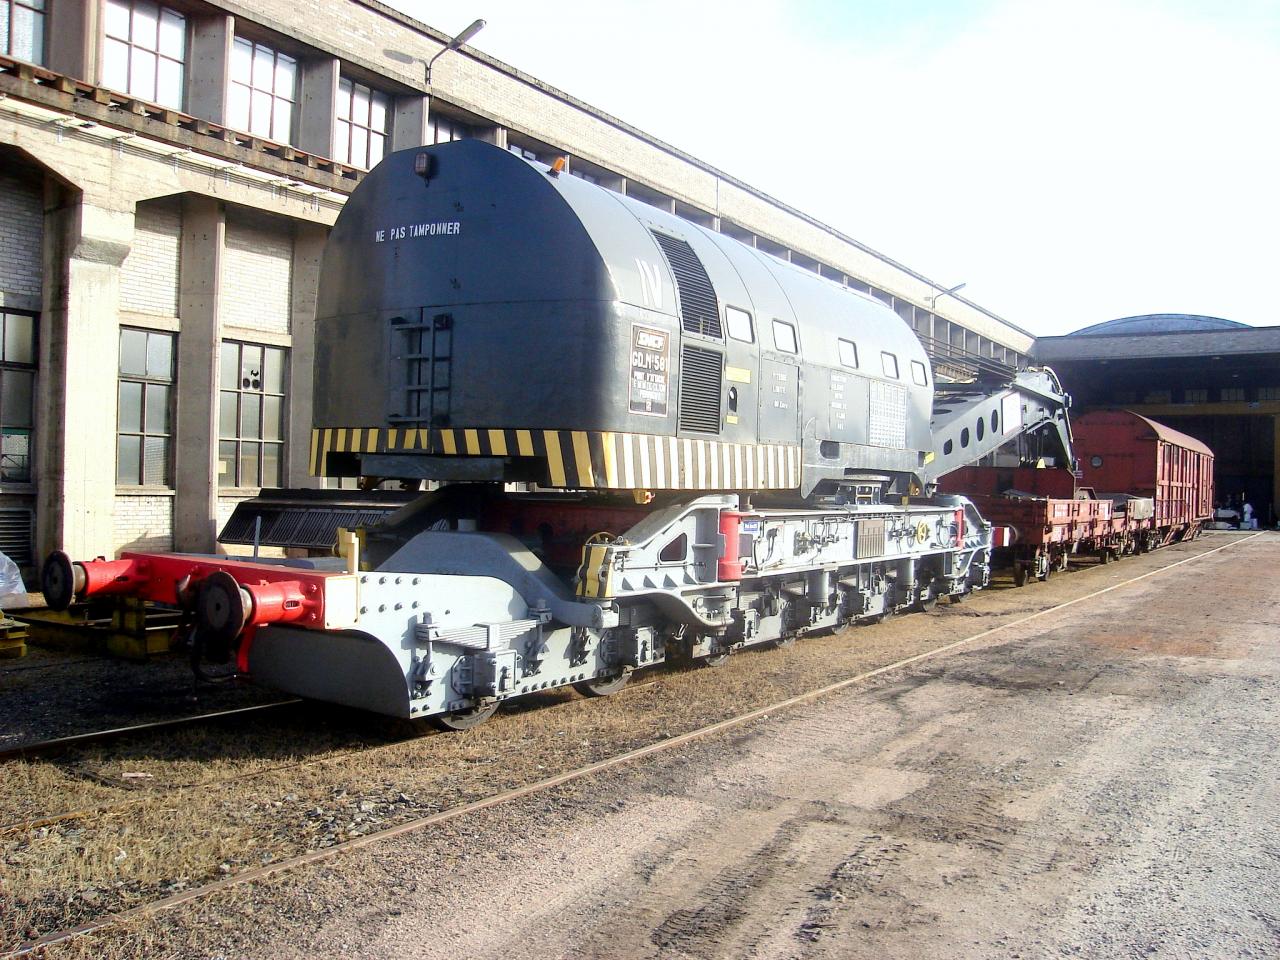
{"x": 1070, "y": 162}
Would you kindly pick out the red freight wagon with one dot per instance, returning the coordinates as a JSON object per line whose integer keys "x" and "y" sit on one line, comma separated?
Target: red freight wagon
{"x": 1123, "y": 453}
{"x": 1051, "y": 518}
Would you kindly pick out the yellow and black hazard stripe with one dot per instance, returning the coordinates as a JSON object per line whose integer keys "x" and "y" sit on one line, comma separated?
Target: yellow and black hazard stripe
{"x": 581, "y": 459}
{"x": 595, "y": 576}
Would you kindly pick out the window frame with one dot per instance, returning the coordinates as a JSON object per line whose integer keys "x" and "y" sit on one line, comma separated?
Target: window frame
{"x": 23, "y": 368}
{"x": 885, "y": 357}
{"x": 919, "y": 375}
{"x": 373, "y": 100}
{"x": 147, "y": 381}
{"x": 134, "y": 47}
{"x": 251, "y": 86}
{"x": 729, "y": 313}
{"x": 841, "y": 342}
{"x": 795, "y": 338}
{"x": 38, "y": 10}
{"x": 240, "y": 390}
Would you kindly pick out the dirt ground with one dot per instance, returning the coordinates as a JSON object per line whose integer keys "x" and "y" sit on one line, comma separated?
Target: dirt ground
{"x": 1099, "y": 782}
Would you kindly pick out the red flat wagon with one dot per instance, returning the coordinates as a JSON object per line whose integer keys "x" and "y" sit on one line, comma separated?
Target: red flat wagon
{"x": 1123, "y": 453}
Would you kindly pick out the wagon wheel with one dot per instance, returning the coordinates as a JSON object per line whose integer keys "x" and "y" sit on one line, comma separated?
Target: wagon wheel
{"x": 1044, "y": 569}
{"x": 1019, "y": 574}
{"x": 926, "y": 596}
{"x": 715, "y": 659}
{"x": 460, "y": 720}
{"x": 1104, "y": 555}
{"x": 1063, "y": 560}
{"x": 784, "y": 642}
{"x": 603, "y": 686}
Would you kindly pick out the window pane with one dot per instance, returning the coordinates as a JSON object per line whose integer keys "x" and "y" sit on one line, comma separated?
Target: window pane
{"x": 159, "y": 356}
{"x": 4, "y": 29}
{"x": 117, "y": 19}
{"x": 169, "y": 84}
{"x": 228, "y": 415}
{"x": 227, "y": 464}
{"x": 342, "y": 141}
{"x": 285, "y": 76}
{"x": 130, "y": 407}
{"x": 238, "y": 107}
{"x": 146, "y": 23}
{"x": 16, "y": 389}
{"x": 230, "y": 362}
{"x": 282, "y": 122}
{"x": 242, "y": 61}
{"x": 173, "y": 34}
{"x": 890, "y": 364}
{"x": 260, "y": 114}
{"x": 359, "y": 146}
{"x": 28, "y": 35}
{"x": 375, "y": 148}
{"x": 157, "y": 408}
{"x": 378, "y": 112}
{"x": 273, "y": 375}
{"x": 344, "y": 100}
{"x": 15, "y": 455}
{"x": 155, "y": 460}
{"x": 271, "y": 464}
{"x": 272, "y": 417}
{"x": 142, "y": 74}
{"x": 784, "y": 336}
{"x": 115, "y": 65}
{"x": 250, "y": 412}
{"x": 18, "y": 339}
{"x": 249, "y": 465}
{"x": 128, "y": 455}
{"x": 739, "y": 322}
{"x": 360, "y": 105}
{"x": 848, "y": 353}
{"x": 263, "y": 67}
{"x": 250, "y": 367}
{"x": 133, "y": 352}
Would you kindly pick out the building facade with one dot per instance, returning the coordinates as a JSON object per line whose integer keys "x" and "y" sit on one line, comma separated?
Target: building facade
{"x": 168, "y": 174}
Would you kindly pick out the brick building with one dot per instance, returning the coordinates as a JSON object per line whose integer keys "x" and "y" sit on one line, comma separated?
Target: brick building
{"x": 168, "y": 172}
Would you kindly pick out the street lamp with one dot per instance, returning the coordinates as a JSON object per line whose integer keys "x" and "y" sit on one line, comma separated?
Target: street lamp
{"x": 945, "y": 293}
{"x": 454, "y": 44}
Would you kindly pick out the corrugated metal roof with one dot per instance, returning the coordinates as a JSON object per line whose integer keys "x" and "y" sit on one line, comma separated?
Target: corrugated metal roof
{"x": 1170, "y": 435}
{"x": 1158, "y": 323}
{"x": 1250, "y": 340}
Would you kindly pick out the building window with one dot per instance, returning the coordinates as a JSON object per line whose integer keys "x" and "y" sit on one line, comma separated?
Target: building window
{"x": 262, "y": 94}
{"x": 17, "y": 394}
{"x": 145, "y": 51}
{"x": 22, "y": 29}
{"x": 1231, "y": 394}
{"x": 1196, "y": 395}
{"x": 146, "y": 405}
{"x": 361, "y": 127}
{"x": 251, "y": 415}
{"x": 1264, "y": 393}
{"x": 444, "y": 130}
{"x": 1158, "y": 396}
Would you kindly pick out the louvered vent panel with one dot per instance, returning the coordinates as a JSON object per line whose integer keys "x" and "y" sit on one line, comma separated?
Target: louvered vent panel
{"x": 701, "y": 374}
{"x": 15, "y": 535}
{"x": 699, "y": 311}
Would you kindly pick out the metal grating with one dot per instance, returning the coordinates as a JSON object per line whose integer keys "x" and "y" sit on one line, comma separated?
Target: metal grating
{"x": 887, "y": 416}
{"x": 699, "y": 309}
{"x": 16, "y": 534}
{"x": 309, "y": 522}
{"x": 701, "y": 376}
{"x": 871, "y": 538}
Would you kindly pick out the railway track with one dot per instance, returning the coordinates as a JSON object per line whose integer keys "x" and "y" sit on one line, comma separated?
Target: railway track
{"x": 247, "y": 876}
{"x": 44, "y": 748}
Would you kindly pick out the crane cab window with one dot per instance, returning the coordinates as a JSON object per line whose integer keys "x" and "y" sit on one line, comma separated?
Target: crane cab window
{"x": 739, "y": 324}
{"x": 784, "y": 337}
{"x": 848, "y": 353}
{"x": 890, "y": 364}
{"x": 918, "y": 373}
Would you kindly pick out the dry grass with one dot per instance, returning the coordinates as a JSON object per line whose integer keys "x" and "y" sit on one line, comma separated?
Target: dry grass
{"x": 166, "y": 840}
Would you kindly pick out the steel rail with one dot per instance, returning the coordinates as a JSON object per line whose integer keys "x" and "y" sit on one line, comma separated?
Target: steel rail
{"x": 314, "y": 856}
{"x": 44, "y": 747}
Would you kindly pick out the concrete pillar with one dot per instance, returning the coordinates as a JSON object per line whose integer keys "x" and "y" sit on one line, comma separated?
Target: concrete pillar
{"x": 409, "y": 122}
{"x": 308, "y": 245}
{"x": 195, "y": 478}
{"x": 85, "y": 243}
{"x": 209, "y": 66}
{"x": 72, "y": 30}
{"x": 495, "y": 135}
{"x": 317, "y": 96}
